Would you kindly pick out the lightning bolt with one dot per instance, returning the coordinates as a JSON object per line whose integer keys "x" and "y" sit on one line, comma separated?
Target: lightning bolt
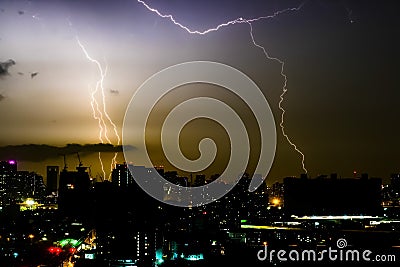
{"x": 102, "y": 165}
{"x": 284, "y": 90}
{"x": 241, "y": 20}
{"x": 222, "y": 25}
{"x": 99, "y": 112}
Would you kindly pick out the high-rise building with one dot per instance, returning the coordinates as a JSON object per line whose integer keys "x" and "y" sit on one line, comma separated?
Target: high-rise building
{"x": 8, "y": 171}
{"x": 336, "y": 197}
{"x": 28, "y": 185}
{"x": 121, "y": 176}
{"x": 53, "y": 173}
{"x": 74, "y": 191}
{"x": 15, "y": 186}
{"x": 395, "y": 184}
{"x": 239, "y": 205}
{"x": 200, "y": 180}
{"x": 8, "y": 176}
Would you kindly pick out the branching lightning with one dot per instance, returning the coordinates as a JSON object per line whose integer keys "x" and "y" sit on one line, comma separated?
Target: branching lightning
{"x": 100, "y": 114}
{"x": 284, "y": 90}
{"x": 222, "y": 25}
{"x": 249, "y": 22}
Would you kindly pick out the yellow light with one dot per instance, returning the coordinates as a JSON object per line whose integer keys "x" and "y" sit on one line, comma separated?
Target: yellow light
{"x": 31, "y": 236}
{"x": 276, "y": 201}
{"x": 30, "y": 202}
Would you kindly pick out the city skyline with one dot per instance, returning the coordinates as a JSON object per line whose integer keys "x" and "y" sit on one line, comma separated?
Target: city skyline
{"x": 189, "y": 177}
{"x": 90, "y": 223}
{"x": 339, "y": 60}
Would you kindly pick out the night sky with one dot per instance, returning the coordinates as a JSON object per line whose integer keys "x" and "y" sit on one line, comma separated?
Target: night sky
{"x": 341, "y": 60}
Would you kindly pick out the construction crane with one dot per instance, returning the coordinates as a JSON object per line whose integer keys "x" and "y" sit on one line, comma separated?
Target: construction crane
{"x": 65, "y": 162}
{"x": 80, "y": 167}
{"x": 79, "y": 158}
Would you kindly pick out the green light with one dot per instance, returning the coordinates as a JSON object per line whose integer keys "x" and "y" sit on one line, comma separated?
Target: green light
{"x": 159, "y": 254}
{"x": 243, "y": 221}
{"x": 69, "y": 241}
{"x": 195, "y": 257}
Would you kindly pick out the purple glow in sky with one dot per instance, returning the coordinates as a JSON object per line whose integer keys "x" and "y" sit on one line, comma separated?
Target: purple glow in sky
{"x": 341, "y": 68}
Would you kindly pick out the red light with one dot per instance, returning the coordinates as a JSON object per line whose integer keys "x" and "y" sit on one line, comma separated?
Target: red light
{"x": 72, "y": 250}
{"x": 204, "y": 212}
{"x": 55, "y": 250}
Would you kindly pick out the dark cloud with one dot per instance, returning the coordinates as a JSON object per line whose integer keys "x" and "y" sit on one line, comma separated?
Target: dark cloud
{"x": 20, "y": 73}
{"x": 21, "y": 12}
{"x": 2, "y": 97}
{"x": 114, "y": 92}
{"x": 4, "y": 66}
{"x": 38, "y": 153}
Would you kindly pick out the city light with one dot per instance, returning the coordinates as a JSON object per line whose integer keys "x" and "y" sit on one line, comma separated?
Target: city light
{"x": 276, "y": 201}
{"x": 30, "y": 202}
{"x": 326, "y": 52}
{"x": 69, "y": 241}
{"x": 55, "y": 250}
